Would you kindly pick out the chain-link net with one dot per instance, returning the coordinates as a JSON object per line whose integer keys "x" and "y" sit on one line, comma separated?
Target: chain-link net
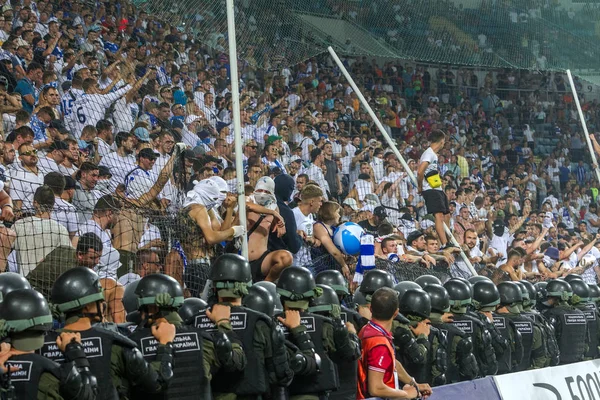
{"x": 404, "y": 271}
{"x": 526, "y": 34}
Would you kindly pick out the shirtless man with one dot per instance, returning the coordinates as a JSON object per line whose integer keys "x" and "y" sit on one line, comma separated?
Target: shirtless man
{"x": 197, "y": 235}
{"x": 262, "y": 209}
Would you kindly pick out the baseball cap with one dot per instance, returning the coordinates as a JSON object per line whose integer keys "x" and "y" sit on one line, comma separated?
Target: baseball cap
{"x": 298, "y": 159}
{"x": 59, "y": 125}
{"x": 552, "y": 252}
{"x": 147, "y": 153}
{"x": 414, "y": 235}
{"x": 380, "y": 212}
{"x": 142, "y": 134}
{"x": 350, "y": 202}
{"x": 189, "y": 154}
{"x": 221, "y": 125}
{"x": 272, "y": 139}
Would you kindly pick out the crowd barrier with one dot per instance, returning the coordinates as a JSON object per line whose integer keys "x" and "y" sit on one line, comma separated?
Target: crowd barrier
{"x": 580, "y": 381}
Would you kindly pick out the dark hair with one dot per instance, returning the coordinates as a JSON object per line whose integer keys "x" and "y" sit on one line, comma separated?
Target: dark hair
{"x": 33, "y": 66}
{"x": 121, "y": 137}
{"x": 103, "y": 124}
{"x": 316, "y": 152}
{"x": 385, "y": 229}
{"x": 437, "y": 136}
{"x": 107, "y": 203}
{"x": 44, "y": 197}
{"x": 384, "y": 304}
{"x": 24, "y": 132}
{"x": 89, "y": 241}
{"x": 55, "y": 181}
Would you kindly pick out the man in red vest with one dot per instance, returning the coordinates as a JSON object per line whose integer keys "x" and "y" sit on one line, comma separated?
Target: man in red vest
{"x": 379, "y": 373}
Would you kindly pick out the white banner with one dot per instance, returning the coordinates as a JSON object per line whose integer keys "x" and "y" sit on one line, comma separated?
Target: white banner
{"x": 580, "y": 381}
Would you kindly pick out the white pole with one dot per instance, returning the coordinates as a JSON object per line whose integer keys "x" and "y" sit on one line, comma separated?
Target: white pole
{"x": 392, "y": 146}
{"x": 237, "y": 126}
{"x": 583, "y": 124}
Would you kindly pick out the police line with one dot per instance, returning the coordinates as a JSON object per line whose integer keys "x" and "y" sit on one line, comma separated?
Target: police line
{"x": 579, "y": 381}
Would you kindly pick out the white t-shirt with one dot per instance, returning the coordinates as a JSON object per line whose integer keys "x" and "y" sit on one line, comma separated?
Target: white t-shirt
{"x": 432, "y": 158}
{"x": 65, "y": 214}
{"x": 91, "y": 108}
{"x": 302, "y": 257}
{"x": 110, "y": 258}
{"x": 119, "y": 167}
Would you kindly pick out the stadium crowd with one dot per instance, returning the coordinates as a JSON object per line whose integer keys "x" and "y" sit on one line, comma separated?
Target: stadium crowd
{"x": 118, "y": 156}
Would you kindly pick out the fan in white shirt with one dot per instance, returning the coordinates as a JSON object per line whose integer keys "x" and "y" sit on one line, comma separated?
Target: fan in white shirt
{"x": 122, "y": 161}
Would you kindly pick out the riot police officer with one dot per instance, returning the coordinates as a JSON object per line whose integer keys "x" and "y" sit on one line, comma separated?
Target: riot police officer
{"x": 581, "y": 301}
{"x": 335, "y": 280}
{"x": 507, "y": 314}
{"x": 460, "y": 298}
{"x": 411, "y": 337}
{"x": 570, "y": 325}
{"x": 114, "y": 359}
{"x": 346, "y": 340}
{"x": 159, "y": 297}
{"x": 297, "y": 287}
{"x": 462, "y": 364}
{"x": 548, "y": 354}
{"x": 534, "y": 346}
{"x": 415, "y": 305}
{"x": 373, "y": 280}
{"x": 268, "y": 362}
{"x": 27, "y": 317}
{"x": 263, "y": 299}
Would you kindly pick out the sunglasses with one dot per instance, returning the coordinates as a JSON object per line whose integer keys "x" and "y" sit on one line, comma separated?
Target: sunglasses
{"x": 29, "y": 153}
{"x": 253, "y": 147}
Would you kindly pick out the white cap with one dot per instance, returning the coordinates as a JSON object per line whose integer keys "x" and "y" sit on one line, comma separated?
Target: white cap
{"x": 265, "y": 183}
{"x": 350, "y": 202}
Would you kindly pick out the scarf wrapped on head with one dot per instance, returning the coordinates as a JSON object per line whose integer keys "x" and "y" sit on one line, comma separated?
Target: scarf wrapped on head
{"x": 206, "y": 193}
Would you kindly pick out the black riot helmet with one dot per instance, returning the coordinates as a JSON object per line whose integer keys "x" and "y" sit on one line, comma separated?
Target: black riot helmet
{"x": 438, "y": 295}
{"x": 74, "y": 289}
{"x": 360, "y": 299}
{"x": 531, "y": 291}
{"x": 231, "y": 275}
{"x": 259, "y": 299}
{"x": 25, "y": 310}
{"x": 478, "y": 278}
{"x": 130, "y": 302}
{"x": 334, "y": 279}
{"x": 581, "y": 292}
{"x": 403, "y": 286}
{"x": 272, "y": 289}
{"x": 594, "y": 292}
{"x": 460, "y": 295}
{"x": 296, "y": 286}
{"x": 415, "y": 303}
{"x": 190, "y": 308}
{"x": 425, "y": 280}
{"x": 10, "y": 281}
{"x": 559, "y": 289}
{"x": 573, "y": 277}
{"x": 375, "y": 279}
{"x": 540, "y": 289}
{"x": 510, "y": 293}
{"x": 160, "y": 290}
{"x": 469, "y": 285}
{"x": 326, "y": 304}
{"x": 485, "y": 295}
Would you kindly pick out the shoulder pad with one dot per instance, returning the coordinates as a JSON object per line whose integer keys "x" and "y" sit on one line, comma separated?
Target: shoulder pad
{"x": 260, "y": 316}
{"x": 117, "y": 338}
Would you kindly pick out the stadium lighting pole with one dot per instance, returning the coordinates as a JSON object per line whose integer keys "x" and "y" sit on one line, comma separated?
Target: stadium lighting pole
{"x": 392, "y": 146}
{"x": 583, "y": 123}
{"x": 237, "y": 125}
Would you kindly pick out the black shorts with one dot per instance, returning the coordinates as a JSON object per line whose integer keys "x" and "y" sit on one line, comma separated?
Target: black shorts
{"x": 436, "y": 201}
{"x": 256, "y": 268}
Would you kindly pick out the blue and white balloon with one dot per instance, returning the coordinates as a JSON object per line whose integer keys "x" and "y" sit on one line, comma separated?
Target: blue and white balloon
{"x": 347, "y": 238}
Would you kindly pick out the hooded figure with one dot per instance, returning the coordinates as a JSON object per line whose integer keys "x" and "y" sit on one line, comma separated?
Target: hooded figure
{"x": 284, "y": 186}
{"x": 206, "y": 193}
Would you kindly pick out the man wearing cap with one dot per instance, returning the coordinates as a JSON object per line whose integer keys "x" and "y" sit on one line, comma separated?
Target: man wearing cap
{"x": 141, "y": 178}
{"x": 121, "y": 161}
{"x": 375, "y": 217}
{"x": 350, "y": 210}
{"x": 54, "y": 157}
